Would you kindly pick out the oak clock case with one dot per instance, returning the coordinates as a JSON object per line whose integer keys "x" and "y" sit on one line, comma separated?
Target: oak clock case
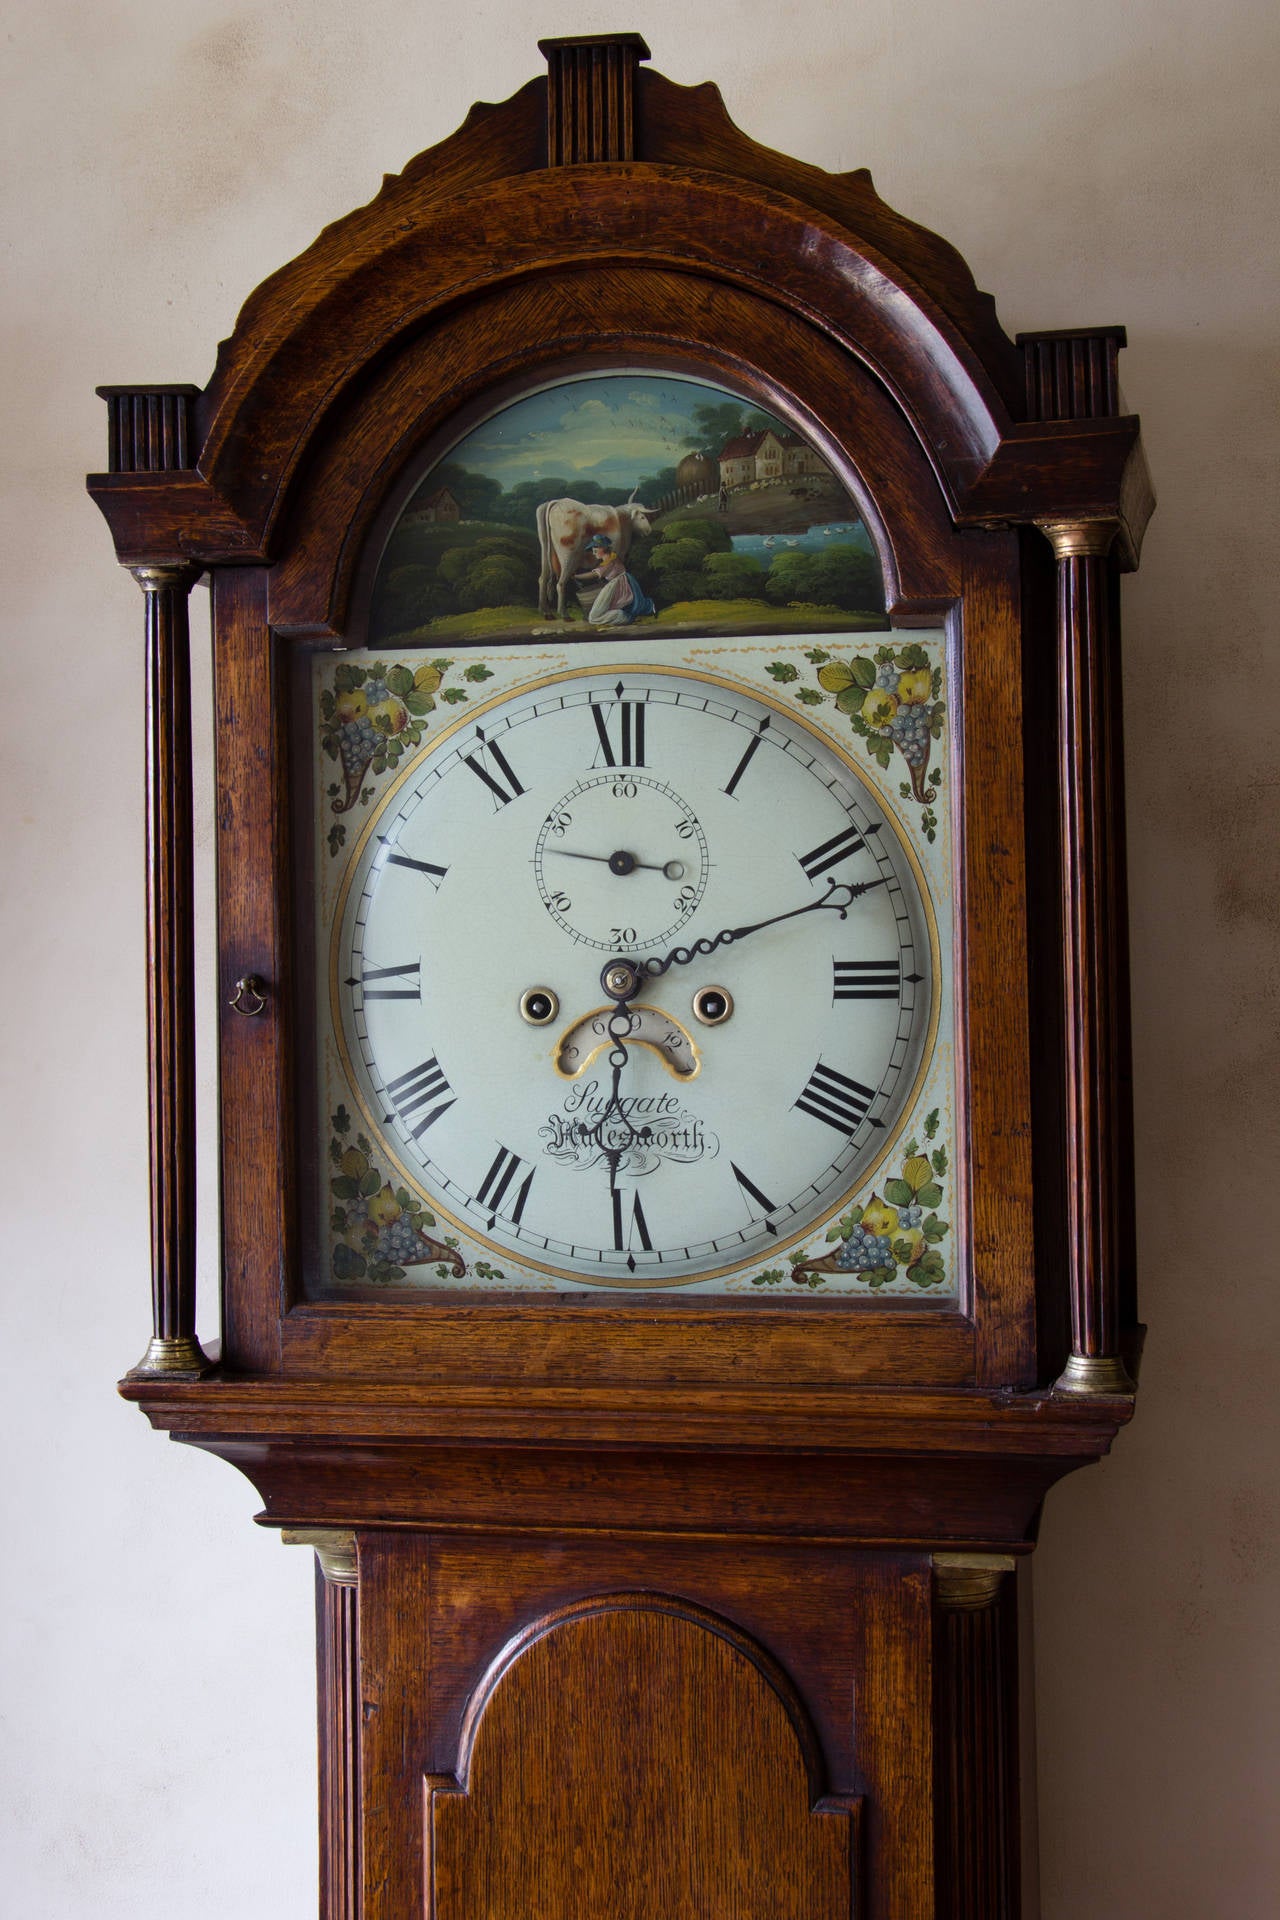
{"x": 665, "y": 1264}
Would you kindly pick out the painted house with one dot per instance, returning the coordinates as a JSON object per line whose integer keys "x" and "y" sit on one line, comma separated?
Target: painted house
{"x": 771, "y": 456}
{"x": 768, "y": 455}
{"x": 439, "y": 507}
{"x": 800, "y": 459}
{"x": 738, "y": 460}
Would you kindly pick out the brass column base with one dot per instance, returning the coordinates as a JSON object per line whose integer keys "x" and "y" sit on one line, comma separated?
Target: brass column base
{"x": 1094, "y": 1373}
{"x": 180, "y": 1357}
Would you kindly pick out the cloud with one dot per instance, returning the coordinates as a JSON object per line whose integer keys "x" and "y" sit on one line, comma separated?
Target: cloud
{"x": 612, "y": 429}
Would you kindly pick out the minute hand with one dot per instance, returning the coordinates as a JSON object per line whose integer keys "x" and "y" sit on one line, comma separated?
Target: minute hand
{"x": 839, "y": 896}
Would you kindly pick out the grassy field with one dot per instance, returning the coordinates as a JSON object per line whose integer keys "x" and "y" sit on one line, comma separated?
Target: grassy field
{"x": 685, "y": 616}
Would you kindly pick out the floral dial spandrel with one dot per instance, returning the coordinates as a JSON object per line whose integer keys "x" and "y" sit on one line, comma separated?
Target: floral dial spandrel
{"x": 771, "y": 1094}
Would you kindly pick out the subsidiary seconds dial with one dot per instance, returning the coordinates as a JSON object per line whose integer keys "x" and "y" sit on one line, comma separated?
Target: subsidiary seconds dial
{"x": 782, "y": 952}
{"x": 580, "y": 857}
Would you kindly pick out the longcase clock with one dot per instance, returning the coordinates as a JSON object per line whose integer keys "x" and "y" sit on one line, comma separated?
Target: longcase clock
{"x": 673, "y": 1052}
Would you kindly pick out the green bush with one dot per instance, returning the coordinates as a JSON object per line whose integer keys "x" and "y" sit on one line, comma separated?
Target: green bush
{"x": 496, "y": 581}
{"x": 841, "y": 576}
{"x": 677, "y": 567}
{"x": 710, "y": 534}
{"x": 733, "y": 576}
{"x": 788, "y": 579}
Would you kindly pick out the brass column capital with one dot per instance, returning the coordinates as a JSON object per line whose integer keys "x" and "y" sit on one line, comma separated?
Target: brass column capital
{"x": 969, "y": 1582}
{"x": 335, "y": 1549}
{"x": 163, "y": 576}
{"x": 1080, "y": 539}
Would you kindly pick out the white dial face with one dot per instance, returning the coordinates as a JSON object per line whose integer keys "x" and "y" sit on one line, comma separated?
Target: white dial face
{"x": 635, "y": 976}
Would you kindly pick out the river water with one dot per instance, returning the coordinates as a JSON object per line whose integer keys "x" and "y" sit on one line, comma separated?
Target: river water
{"x": 766, "y": 547}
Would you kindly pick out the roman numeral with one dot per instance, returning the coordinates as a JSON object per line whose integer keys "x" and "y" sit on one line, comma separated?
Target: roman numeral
{"x": 835, "y": 1099}
{"x": 493, "y": 1189}
{"x": 621, "y": 732}
{"x": 750, "y": 1192}
{"x": 745, "y": 761}
{"x": 867, "y": 979}
{"x": 411, "y": 970}
{"x": 421, "y": 1087}
{"x": 638, "y": 1221}
{"x": 434, "y": 873}
{"x": 841, "y": 846}
{"x": 503, "y": 785}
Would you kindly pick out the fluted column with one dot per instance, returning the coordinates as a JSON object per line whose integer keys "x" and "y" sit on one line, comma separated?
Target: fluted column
{"x": 1093, "y": 912}
{"x": 976, "y": 1799}
{"x": 173, "y": 1350}
{"x": 339, "y": 1716}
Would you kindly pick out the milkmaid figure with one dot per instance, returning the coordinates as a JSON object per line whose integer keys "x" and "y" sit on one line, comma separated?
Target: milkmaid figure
{"x": 621, "y": 598}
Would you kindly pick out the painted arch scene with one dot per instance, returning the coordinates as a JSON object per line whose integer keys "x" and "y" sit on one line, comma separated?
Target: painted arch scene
{"x": 627, "y": 501}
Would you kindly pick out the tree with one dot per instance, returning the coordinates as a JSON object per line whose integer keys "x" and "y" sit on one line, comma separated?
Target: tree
{"x": 478, "y": 497}
{"x": 677, "y": 565}
{"x": 715, "y": 422}
{"x": 846, "y": 577}
{"x": 401, "y": 597}
{"x": 496, "y": 580}
{"x": 788, "y": 579}
{"x": 521, "y": 502}
{"x": 710, "y": 534}
{"x": 515, "y": 546}
{"x": 651, "y": 487}
{"x": 733, "y": 576}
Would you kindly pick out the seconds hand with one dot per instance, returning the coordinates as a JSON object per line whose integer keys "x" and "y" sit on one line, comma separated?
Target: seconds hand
{"x": 623, "y": 862}
{"x": 621, "y": 1021}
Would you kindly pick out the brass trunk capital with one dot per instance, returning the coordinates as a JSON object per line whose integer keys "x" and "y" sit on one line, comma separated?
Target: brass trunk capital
{"x": 335, "y": 1549}
{"x": 969, "y": 1582}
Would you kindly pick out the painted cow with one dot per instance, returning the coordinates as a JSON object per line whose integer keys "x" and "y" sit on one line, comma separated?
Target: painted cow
{"x": 565, "y": 530}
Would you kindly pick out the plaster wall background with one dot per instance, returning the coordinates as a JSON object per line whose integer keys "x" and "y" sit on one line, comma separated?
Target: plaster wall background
{"x": 1093, "y": 164}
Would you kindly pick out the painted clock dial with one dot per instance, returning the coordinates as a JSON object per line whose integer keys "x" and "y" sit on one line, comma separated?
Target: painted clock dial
{"x": 787, "y": 960}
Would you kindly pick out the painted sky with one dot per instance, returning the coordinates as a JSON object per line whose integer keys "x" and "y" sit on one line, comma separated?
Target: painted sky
{"x": 608, "y": 430}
